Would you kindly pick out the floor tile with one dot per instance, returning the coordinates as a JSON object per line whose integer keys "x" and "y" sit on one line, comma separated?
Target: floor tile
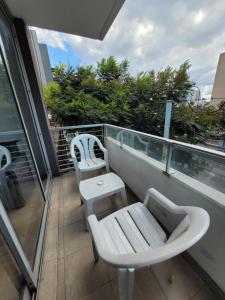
{"x": 185, "y": 284}
{"x": 48, "y": 283}
{"x": 103, "y": 293}
{"x": 76, "y": 237}
{"x": 205, "y": 294}
{"x": 148, "y": 285}
{"x": 61, "y": 290}
{"x": 83, "y": 276}
{"x": 51, "y": 245}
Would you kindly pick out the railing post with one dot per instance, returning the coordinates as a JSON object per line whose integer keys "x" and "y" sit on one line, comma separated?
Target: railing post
{"x": 103, "y": 133}
{"x": 121, "y": 139}
{"x": 168, "y": 159}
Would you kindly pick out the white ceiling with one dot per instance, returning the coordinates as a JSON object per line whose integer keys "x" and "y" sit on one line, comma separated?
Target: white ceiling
{"x": 88, "y": 18}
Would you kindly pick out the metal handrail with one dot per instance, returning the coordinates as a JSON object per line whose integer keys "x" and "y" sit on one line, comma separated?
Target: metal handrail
{"x": 76, "y": 127}
{"x": 169, "y": 144}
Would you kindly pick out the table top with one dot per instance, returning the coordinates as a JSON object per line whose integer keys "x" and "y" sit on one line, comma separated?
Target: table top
{"x": 100, "y": 186}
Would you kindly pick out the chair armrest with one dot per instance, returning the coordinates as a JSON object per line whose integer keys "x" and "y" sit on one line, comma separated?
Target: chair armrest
{"x": 104, "y": 150}
{"x": 163, "y": 201}
{"x": 75, "y": 162}
{"x": 106, "y": 155}
{"x": 102, "y": 147}
{"x": 96, "y": 233}
{"x": 4, "y": 168}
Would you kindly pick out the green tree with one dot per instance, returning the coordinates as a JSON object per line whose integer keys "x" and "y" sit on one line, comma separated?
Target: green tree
{"x": 109, "y": 93}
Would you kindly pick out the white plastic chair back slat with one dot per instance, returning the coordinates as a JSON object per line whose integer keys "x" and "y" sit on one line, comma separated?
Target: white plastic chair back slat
{"x": 80, "y": 147}
{"x": 91, "y": 148}
{"x": 85, "y": 142}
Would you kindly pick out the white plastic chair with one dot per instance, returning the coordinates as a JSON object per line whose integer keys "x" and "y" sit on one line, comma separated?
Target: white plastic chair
{"x": 5, "y": 161}
{"x": 131, "y": 238}
{"x": 88, "y": 161}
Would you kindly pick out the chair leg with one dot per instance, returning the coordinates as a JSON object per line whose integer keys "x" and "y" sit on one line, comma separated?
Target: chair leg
{"x": 78, "y": 178}
{"x": 125, "y": 283}
{"x": 96, "y": 257}
{"x": 124, "y": 196}
{"x": 89, "y": 210}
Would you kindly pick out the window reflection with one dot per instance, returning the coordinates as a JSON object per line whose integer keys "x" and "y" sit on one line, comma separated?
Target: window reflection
{"x": 11, "y": 282}
{"x": 20, "y": 190}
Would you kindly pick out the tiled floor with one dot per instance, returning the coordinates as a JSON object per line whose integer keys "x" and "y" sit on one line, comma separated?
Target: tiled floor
{"x": 68, "y": 270}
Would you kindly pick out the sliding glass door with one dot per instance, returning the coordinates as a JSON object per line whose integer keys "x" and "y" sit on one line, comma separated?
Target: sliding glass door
{"x": 20, "y": 187}
{"x": 24, "y": 176}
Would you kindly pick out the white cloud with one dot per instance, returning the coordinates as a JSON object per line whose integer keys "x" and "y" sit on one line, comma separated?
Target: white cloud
{"x": 52, "y": 38}
{"x": 207, "y": 91}
{"x": 199, "y": 17}
{"x": 154, "y": 34}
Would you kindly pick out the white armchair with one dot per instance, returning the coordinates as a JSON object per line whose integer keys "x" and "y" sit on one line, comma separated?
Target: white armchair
{"x": 131, "y": 238}
{"x": 88, "y": 161}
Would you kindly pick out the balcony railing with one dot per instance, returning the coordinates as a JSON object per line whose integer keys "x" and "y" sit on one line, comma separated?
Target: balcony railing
{"x": 202, "y": 164}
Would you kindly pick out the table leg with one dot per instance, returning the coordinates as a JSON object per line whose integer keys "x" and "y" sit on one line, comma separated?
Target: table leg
{"x": 88, "y": 208}
{"x": 124, "y": 196}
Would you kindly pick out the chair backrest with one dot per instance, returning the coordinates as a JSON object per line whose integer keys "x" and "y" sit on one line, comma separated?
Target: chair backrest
{"x": 85, "y": 144}
{"x": 4, "y": 152}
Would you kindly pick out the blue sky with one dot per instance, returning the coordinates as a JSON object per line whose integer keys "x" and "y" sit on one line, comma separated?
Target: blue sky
{"x": 153, "y": 35}
{"x": 57, "y": 55}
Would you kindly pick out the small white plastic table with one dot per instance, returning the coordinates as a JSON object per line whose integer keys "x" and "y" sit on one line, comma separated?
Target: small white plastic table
{"x": 100, "y": 187}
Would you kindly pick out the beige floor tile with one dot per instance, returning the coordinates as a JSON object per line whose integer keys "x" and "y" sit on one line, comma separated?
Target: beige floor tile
{"x": 148, "y": 285}
{"x": 53, "y": 217}
{"x": 61, "y": 250}
{"x": 103, "y": 293}
{"x": 76, "y": 237}
{"x": 48, "y": 283}
{"x": 73, "y": 211}
{"x": 83, "y": 276}
{"x": 205, "y": 294}
{"x": 185, "y": 284}
{"x": 61, "y": 290}
{"x": 61, "y": 216}
{"x": 51, "y": 245}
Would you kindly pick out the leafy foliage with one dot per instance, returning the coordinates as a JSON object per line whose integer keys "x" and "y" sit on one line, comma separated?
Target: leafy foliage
{"x": 110, "y": 94}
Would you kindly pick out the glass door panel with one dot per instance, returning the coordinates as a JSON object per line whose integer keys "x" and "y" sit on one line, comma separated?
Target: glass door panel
{"x": 11, "y": 282}
{"x": 26, "y": 109}
{"x": 20, "y": 189}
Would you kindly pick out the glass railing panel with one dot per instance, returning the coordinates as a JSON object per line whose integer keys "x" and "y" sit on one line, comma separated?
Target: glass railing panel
{"x": 112, "y": 132}
{"x": 147, "y": 145}
{"x": 202, "y": 166}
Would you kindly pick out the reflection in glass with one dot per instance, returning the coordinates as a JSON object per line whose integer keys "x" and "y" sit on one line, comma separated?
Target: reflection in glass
{"x": 208, "y": 169}
{"x": 19, "y": 186}
{"x": 10, "y": 278}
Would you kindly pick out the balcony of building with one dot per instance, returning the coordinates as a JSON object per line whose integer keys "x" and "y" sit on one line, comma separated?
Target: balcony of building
{"x": 189, "y": 175}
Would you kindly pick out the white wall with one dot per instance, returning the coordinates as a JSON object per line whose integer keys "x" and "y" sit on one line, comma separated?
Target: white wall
{"x": 140, "y": 172}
